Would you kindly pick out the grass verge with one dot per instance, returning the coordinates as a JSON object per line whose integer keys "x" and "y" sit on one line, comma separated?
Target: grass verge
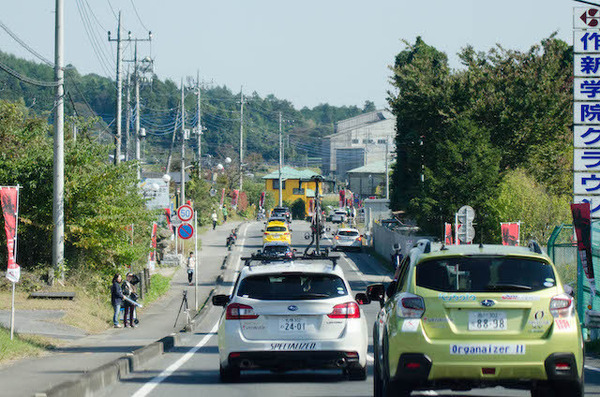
{"x": 159, "y": 286}
{"x": 22, "y": 346}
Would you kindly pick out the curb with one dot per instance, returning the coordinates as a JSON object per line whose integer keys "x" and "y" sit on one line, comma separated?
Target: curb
{"x": 95, "y": 382}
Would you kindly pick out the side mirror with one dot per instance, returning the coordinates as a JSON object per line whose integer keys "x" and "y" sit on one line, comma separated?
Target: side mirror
{"x": 262, "y": 230}
{"x": 220, "y": 300}
{"x": 362, "y": 298}
{"x": 376, "y": 292}
{"x": 391, "y": 288}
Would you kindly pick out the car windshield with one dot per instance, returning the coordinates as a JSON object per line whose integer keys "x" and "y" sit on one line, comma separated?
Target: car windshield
{"x": 292, "y": 286}
{"x": 276, "y": 229}
{"x": 485, "y": 274}
{"x": 348, "y": 233}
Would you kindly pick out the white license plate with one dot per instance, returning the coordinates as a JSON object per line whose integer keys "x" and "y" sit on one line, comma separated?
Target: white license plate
{"x": 293, "y": 324}
{"x": 487, "y": 321}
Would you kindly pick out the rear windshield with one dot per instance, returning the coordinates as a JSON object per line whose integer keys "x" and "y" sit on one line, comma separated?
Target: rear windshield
{"x": 485, "y": 274}
{"x": 347, "y": 233}
{"x": 340, "y": 212}
{"x": 275, "y": 249}
{"x": 276, "y": 229}
{"x": 292, "y": 287}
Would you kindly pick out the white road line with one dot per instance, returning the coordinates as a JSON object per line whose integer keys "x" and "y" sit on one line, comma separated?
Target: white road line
{"x": 590, "y": 368}
{"x": 150, "y": 385}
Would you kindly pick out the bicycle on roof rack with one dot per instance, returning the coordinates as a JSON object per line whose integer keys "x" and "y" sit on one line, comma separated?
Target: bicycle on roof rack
{"x": 265, "y": 259}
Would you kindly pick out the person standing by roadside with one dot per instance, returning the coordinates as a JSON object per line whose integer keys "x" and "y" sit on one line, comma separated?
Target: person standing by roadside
{"x": 214, "y": 219}
{"x": 129, "y": 291}
{"x": 116, "y": 298}
{"x": 225, "y": 213}
{"x": 191, "y": 265}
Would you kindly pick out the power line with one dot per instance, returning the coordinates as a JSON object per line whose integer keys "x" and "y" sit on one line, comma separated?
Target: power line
{"x": 24, "y": 45}
{"x": 138, "y": 15}
{"x": 26, "y": 79}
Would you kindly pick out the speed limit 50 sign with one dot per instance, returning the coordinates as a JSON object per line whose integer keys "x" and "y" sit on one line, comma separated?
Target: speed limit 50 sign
{"x": 185, "y": 213}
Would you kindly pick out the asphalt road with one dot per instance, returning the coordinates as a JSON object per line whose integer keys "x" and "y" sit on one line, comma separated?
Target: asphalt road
{"x": 193, "y": 367}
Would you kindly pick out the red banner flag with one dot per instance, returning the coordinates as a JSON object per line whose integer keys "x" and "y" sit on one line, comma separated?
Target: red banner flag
{"x": 154, "y": 228}
{"x": 10, "y": 208}
{"x": 261, "y": 202}
{"x": 234, "y": 198}
{"x": 583, "y": 230}
{"x": 342, "y": 198}
{"x": 222, "y": 198}
{"x": 447, "y": 233}
{"x": 511, "y": 233}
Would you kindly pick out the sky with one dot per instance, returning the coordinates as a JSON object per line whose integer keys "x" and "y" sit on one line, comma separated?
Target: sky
{"x": 308, "y": 52}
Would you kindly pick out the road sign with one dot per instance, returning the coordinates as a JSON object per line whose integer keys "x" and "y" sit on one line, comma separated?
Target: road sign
{"x": 466, "y": 214}
{"x": 185, "y": 213}
{"x": 586, "y": 18}
{"x": 586, "y": 65}
{"x": 594, "y": 204}
{"x": 586, "y": 89}
{"x": 586, "y": 160}
{"x": 185, "y": 231}
{"x": 586, "y": 136}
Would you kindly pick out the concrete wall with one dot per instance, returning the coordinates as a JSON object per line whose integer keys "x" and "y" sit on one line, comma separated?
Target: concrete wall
{"x": 384, "y": 240}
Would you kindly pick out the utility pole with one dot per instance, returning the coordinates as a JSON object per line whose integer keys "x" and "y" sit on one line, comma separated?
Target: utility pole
{"x": 387, "y": 174}
{"x": 170, "y": 156}
{"x": 182, "y": 144}
{"x": 127, "y": 117}
{"x": 241, "y": 136}
{"x": 138, "y": 138}
{"x": 199, "y": 117}
{"x": 136, "y": 81}
{"x": 280, "y": 160}
{"x": 58, "y": 202}
{"x": 117, "y": 159}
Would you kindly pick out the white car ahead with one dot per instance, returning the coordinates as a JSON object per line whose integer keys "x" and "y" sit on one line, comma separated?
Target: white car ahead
{"x": 347, "y": 238}
{"x": 292, "y": 315}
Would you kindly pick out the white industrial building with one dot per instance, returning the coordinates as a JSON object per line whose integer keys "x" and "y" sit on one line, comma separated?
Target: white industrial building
{"x": 358, "y": 141}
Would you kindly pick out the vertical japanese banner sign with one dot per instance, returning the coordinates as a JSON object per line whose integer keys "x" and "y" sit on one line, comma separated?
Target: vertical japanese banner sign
{"x": 10, "y": 209}
{"x": 582, "y": 224}
{"x": 234, "y": 198}
{"x": 447, "y": 233}
{"x": 456, "y": 232}
{"x": 153, "y": 252}
{"x": 311, "y": 206}
{"x": 168, "y": 215}
{"x": 222, "y": 198}
{"x": 261, "y": 202}
{"x": 510, "y": 233}
{"x": 342, "y": 196}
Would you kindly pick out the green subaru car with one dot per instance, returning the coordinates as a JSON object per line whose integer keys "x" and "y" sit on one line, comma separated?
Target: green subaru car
{"x": 472, "y": 316}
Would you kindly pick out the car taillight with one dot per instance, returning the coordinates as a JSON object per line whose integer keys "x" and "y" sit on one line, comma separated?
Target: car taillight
{"x": 359, "y": 238}
{"x": 337, "y": 237}
{"x": 345, "y": 310}
{"x": 266, "y": 234}
{"x": 561, "y": 306}
{"x": 237, "y": 311}
{"x": 410, "y": 306}
{"x": 286, "y": 233}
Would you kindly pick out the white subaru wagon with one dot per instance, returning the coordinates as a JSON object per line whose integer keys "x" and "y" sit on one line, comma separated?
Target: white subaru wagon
{"x": 292, "y": 315}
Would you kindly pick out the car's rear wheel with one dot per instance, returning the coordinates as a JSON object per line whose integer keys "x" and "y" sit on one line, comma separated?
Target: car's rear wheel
{"x": 229, "y": 374}
{"x": 390, "y": 388}
{"x": 356, "y": 373}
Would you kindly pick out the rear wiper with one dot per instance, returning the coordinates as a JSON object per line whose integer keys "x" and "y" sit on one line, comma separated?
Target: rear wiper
{"x": 508, "y": 287}
{"x": 313, "y": 295}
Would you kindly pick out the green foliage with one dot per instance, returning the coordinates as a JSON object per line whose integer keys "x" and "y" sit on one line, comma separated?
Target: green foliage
{"x": 459, "y": 131}
{"x": 523, "y": 199}
{"x": 159, "y": 285}
{"x": 198, "y": 190}
{"x": 101, "y": 200}
{"x": 298, "y": 209}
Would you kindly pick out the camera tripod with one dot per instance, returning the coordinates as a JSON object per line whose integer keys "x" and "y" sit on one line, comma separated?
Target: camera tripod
{"x": 186, "y": 310}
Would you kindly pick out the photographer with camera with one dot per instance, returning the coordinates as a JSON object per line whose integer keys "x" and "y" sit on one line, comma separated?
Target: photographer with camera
{"x": 129, "y": 291}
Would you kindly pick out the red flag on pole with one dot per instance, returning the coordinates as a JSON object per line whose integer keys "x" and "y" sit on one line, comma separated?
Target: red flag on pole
{"x": 510, "y": 233}
{"x": 582, "y": 223}
{"x": 261, "y": 202}
{"x": 222, "y": 198}
{"x": 152, "y": 256}
{"x": 9, "y": 196}
{"x": 447, "y": 233}
{"x": 234, "y": 198}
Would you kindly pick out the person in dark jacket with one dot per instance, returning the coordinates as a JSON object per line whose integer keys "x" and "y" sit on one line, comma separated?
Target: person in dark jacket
{"x": 116, "y": 298}
{"x": 129, "y": 291}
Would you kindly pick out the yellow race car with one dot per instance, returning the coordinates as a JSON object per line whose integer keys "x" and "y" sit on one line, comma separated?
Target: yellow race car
{"x": 277, "y": 231}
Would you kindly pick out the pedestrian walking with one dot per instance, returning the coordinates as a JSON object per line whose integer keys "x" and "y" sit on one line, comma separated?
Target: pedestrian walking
{"x": 128, "y": 290}
{"x": 191, "y": 265}
{"x": 225, "y": 213}
{"x": 116, "y": 298}
{"x": 214, "y": 219}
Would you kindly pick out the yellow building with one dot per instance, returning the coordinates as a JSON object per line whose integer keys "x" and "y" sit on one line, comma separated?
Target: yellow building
{"x": 295, "y": 185}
